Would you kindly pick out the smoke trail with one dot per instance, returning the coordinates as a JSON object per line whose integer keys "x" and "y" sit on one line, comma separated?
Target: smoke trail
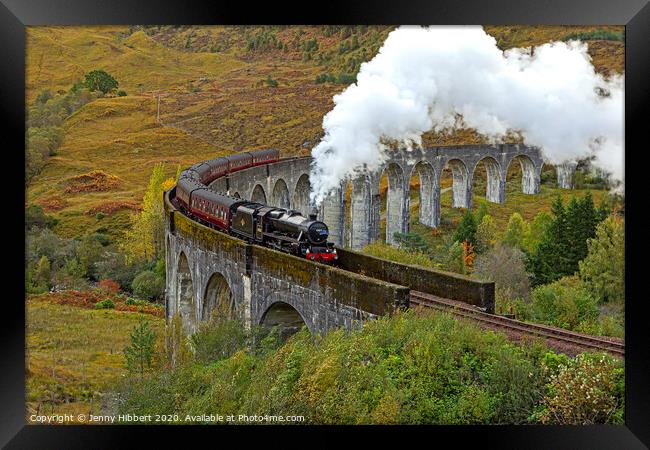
{"x": 422, "y": 78}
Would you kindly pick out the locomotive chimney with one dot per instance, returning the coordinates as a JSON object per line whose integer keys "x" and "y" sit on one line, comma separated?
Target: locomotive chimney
{"x": 312, "y": 216}
{"x": 313, "y": 213}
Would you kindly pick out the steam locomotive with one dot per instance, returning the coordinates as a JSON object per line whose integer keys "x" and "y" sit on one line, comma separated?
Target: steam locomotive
{"x": 284, "y": 230}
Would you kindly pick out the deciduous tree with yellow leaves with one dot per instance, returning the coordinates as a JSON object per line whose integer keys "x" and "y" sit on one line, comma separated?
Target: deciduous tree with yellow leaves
{"x": 145, "y": 240}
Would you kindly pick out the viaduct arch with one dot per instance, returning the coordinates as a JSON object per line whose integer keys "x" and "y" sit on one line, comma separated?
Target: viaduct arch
{"x": 286, "y": 184}
{"x": 209, "y": 272}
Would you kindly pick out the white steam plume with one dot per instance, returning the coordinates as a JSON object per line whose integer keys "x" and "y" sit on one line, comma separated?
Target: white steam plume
{"x": 423, "y": 77}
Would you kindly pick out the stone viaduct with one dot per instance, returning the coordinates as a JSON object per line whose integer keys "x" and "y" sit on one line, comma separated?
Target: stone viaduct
{"x": 286, "y": 184}
{"x": 210, "y": 271}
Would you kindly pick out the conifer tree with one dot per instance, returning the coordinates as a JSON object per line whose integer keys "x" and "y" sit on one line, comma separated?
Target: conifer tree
{"x": 564, "y": 243}
{"x": 481, "y": 212}
{"x": 575, "y": 229}
{"x": 139, "y": 354}
{"x": 411, "y": 241}
{"x": 582, "y": 219}
{"x": 551, "y": 262}
{"x": 466, "y": 230}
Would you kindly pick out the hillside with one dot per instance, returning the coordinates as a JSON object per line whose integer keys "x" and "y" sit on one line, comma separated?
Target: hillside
{"x": 222, "y": 89}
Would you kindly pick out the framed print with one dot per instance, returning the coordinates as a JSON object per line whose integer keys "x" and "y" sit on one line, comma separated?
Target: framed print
{"x": 379, "y": 219}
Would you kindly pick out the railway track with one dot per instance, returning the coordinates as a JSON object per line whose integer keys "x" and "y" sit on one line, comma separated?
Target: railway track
{"x": 564, "y": 340}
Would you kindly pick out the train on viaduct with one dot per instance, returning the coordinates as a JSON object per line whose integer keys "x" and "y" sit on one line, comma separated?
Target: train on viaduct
{"x": 208, "y": 270}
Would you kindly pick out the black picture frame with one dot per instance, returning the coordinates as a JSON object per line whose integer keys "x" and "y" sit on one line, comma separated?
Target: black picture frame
{"x": 15, "y": 15}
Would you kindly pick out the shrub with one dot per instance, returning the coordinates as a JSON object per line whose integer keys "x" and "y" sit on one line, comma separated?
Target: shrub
{"x": 38, "y": 276}
{"x": 105, "y": 304}
{"x": 159, "y": 268}
{"x": 109, "y": 286}
{"x": 90, "y": 251}
{"x": 325, "y": 77}
{"x": 564, "y": 303}
{"x": 412, "y": 242}
{"x": 35, "y": 217}
{"x": 217, "y": 339}
{"x": 114, "y": 265}
{"x": 44, "y": 242}
{"x": 71, "y": 275}
{"x": 408, "y": 368}
{"x": 605, "y": 325}
{"x": 506, "y": 267}
{"x": 121, "y": 93}
{"x": 44, "y": 96}
{"x": 346, "y": 78}
{"x": 584, "y": 391}
{"x": 603, "y": 270}
{"x": 385, "y": 251}
{"x": 148, "y": 285}
{"x": 271, "y": 82}
{"x": 102, "y": 238}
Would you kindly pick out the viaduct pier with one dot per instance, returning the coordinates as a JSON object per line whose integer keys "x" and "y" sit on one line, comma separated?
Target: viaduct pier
{"x": 208, "y": 270}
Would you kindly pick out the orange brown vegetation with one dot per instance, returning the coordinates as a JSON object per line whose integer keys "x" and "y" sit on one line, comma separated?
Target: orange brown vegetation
{"x": 108, "y": 285}
{"x": 110, "y": 207}
{"x": 88, "y": 299}
{"x": 53, "y": 203}
{"x": 93, "y": 181}
{"x": 468, "y": 254}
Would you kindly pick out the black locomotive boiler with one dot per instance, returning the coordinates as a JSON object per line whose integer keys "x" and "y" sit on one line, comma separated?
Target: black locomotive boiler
{"x": 285, "y": 230}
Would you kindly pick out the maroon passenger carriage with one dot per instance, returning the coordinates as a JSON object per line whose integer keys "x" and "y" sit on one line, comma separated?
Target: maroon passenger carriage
{"x": 285, "y": 230}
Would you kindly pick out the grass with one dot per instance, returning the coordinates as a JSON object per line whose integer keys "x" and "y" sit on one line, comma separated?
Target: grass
{"x": 58, "y": 56}
{"x": 75, "y": 354}
{"x": 598, "y": 35}
{"x": 115, "y": 139}
{"x": 211, "y": 101}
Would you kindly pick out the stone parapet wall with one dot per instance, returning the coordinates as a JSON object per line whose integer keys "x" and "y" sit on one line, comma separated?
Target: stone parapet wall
{"x": 443, "y": 284}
